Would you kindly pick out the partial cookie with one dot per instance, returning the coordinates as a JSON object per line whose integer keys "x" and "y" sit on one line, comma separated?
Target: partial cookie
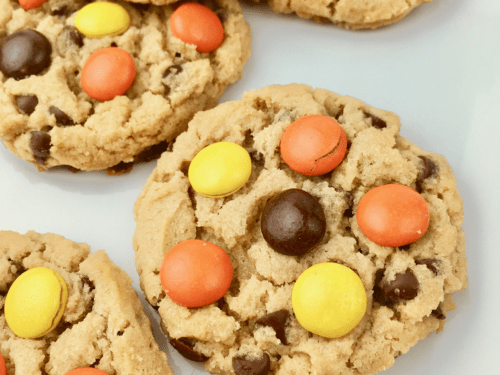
{"x": 103, "y": 324}
{"x": 408, "y": 288}
{"x": 49, "y": 120}
{"x": 351, "y": 14}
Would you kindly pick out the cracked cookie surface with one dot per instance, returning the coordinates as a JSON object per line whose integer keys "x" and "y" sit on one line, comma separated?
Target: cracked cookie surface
{"x": 47, "y": 118}
{"x": 254, "y": 321}
{"x": 103, "y": 325}
{"x": 351, "y": 14}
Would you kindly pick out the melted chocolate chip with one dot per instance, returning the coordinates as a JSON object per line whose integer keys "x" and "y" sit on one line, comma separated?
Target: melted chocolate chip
{"x": 24, "y": 53}
{"x": 174, "y": 69}
{"x": 428, "y": 170}
{"x": 377, "y": 122}
{"x": 438, "y": 314}
{"x": 248, "y": 365}
{"x": 432, "y": 264}
{"x": 152, "y": 153}
{"x": 185, "y": 347}
{"x": 40, "y": 146}
{"x": 61, "y": 118}
{"x": 277, "y": 321}
{"x": 27, "y": 103}
{"x": 378, "y": 294}
{"x": 404, "y": 286}
{"x": 293, "y": 222}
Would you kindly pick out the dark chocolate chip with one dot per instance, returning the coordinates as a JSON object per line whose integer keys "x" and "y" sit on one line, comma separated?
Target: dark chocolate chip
{"x": 428, "y": 170}
{"x": 405, "y": 247}
{"x": 173, "y": 69}
{"x": 185, "y": 347}
{"x": 24, "y": 53}
{"x": 378, "y": 294}
{"x": 151, "y": 153}
{"x": 27, "y": 103}
{"x": 178, "y": 54}
{"x": 61, "y": 118}
{"x": 113, "y": 44}
{"x": 432, "y": 264}
{"x": 40, "y": 146}
{"x": 377, "y": 122}
{"x": 249, "y": 365}
{"x": 293, "y": 222}
{"x": 277, "y": 321}
{"x": 350, "y": 202}
{"x": 404, "y": 286}
{"x": 438, "y": 313}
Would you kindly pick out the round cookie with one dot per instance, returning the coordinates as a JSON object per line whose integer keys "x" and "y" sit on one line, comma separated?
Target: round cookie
{"x": 48, "y": 119}
{"x": 351, "y": 14}
{"x": 103, "y": 324}
{"x": 408, "y": 289}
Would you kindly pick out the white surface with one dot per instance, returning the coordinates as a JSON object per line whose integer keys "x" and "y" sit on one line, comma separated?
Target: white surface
{"x": 438, "y": 69}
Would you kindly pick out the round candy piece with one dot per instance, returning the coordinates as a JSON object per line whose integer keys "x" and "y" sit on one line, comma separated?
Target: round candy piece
{"x": 3, "y": 367}
{"x": 86, "y": 371}
{"x": 196, "y": 24}
{"x": 313, "y": 145}
{"x": 31, "y": 4}
{"x": 393, "y": 215}
{"x": 108, "y": 73}
{"x": 24, "y": 53}
{"x": 35, "y": 302}
{"x": 196, "y": 273}
{"x": 293, "y": 222}
{"x": 329, "y": 299}
{"x": 220, "y": 169}
{"x": 100, "y": 19}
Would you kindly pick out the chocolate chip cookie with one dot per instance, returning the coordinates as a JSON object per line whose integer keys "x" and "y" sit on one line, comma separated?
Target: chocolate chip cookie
{"x": 254, "y": 328}
{"x": 351, "y": 14}
{"x": 50, "y": 117}
{"x": 103, "y": 324}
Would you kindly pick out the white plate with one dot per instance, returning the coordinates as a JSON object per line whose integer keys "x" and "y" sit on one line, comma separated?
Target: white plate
{"x": 438, "y": 69}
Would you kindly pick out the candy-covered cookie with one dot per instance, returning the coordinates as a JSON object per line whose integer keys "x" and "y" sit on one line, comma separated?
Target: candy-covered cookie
{"x": 104, "y": 84}
{"x": 351, "y": 14}
{"x": 313, "y": 289}
{"x": 66, "y": 310}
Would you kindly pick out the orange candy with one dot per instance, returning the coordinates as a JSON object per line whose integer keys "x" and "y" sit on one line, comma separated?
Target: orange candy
{"x": 108, "y": 73}
{"x": 3, "y": 367}
{"x": 31, "y": 4}
{"x": 196, "y": 273}
{"x": 393, "y": 215}
{"x": 313, "y": 145}
{"x": 196, "y": 24}
{"x": 86, "y": 371}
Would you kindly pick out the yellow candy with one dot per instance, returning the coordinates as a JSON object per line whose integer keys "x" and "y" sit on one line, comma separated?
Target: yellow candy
{"x": 36, "y": 302}
{"x": 329, "y": 299}
{"x": 220, "y": 169}
{"x": 100, "y": 19}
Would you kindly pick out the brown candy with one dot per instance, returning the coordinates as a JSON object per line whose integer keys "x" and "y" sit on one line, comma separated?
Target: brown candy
{"x": 27, "y": 103}
{"x": 277, "y": 321}
{"x": 185, "y": 347}
{"x": 40, "y": 146}
{"x": 61, "y": 118}
{"x": 404, "y": 286}
{"x": 293, "y": 222}
{"x": 24, "y": 53}
{"x": 249, "y": 365}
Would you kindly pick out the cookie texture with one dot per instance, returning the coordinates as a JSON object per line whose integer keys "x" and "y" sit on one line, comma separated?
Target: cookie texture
{"x": 104, "y": 324}
{"x": 47, "y": 118}
{"x": 351, "y": 14}
{"x": 253, "y": 325}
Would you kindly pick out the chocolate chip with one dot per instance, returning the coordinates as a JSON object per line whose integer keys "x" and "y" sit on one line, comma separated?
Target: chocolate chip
{"x": 40, "y": 146}
{"x": 377, "y": 122}
{"x": 24, "y": 53}
{"x": 405, "y": 247}
{"x": 277, "y": 321}
{"x": 404, "y": 286}
{"x": 113, "y": 44}
{"x": 69, "y": 37}
{"x": 350, "y": 202}
{"x": 428, "y": 169}
{"x": 174, "y": 69}
{"x": 152, "y": 153}
{"x": 378, "y": 294}
{"x": 438, "y": 313}
{"x": 62, "y": 11}
{"x": 249, "y": 365}
{"x": 27, "y": 103}
{"x": 86, "y": 281}
{"x": 61, "y": 118}
{"x": 119, "y": 169}
{"x": 293, "y": 222}
{"x": 185, "y": 347}
{"x": 432, "y": 264}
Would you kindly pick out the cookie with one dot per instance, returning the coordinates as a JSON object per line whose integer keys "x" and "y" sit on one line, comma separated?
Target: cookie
{"x": 407, "y": 289}
{"x": 103, "y": 324}
{"x": 351, "y": 14}
{"x": 64, "y": 108}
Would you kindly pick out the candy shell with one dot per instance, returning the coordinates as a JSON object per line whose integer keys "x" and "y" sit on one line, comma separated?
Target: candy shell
{"x": 86, "y": 371}
{"x": 393, "y": 215}
{"x": 31, "y": 4}
{"x": 35, "y": 302}
{"x": 3, "y": 367}
{"x": 313, "y": 145}
{"x": 329, "y": 299}
{"x": 220, "y": 169}
{"x": 100, "y": 19}
{"x": 197, "y": 24}
{"x": 108, "y": 73}
{"x": 196, "y": 273}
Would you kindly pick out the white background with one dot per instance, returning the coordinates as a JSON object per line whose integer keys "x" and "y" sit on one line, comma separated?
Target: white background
{"x": 438, "y": 69}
